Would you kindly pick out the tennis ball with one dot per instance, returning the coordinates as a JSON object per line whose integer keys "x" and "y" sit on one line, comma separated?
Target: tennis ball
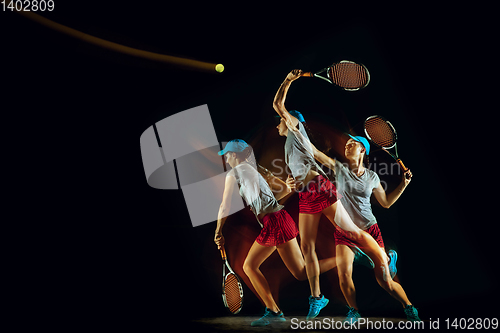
{"x": 219, "y": 68}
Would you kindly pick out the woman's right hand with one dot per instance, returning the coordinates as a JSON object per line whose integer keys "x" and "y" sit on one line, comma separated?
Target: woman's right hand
{"x": 219, "y": 240}
{"x": 290, "y": 184}
{"x": 294, "y": 75}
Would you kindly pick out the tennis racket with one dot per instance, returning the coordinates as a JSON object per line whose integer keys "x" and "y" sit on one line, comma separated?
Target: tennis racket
{"x": 232, "y": 290}
{"x": 346, "y": 74}
{"x": 381, "y": 132}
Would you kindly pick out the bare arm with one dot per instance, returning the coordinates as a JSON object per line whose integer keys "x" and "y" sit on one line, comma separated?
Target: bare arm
{"x": 224, "y": 210}
{"x": 387, "y": 200}
{"x": 279, "y": 98}
{"x": 280, "y": 188}
{"x": 324, "y": 159}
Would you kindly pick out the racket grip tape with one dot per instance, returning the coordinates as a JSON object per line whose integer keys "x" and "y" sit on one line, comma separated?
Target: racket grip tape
{"x": 403, "y": 167}
{"x": 308, "y": 74}
{"x": 223, "y": 252}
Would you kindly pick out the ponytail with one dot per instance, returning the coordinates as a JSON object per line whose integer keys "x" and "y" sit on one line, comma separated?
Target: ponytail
{"x": 247, "y": 156}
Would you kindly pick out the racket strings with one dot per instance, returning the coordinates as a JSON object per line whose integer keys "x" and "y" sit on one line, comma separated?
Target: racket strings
{"x": 232, "y": 291}
{"x": 380, "y": 132}
{"x": 348, "y": 75}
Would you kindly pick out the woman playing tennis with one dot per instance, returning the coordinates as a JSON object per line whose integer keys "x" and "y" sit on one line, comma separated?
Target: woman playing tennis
{"x": 356, "y": 184}
{"x": 317, "y": 195}
{"x": 278, "y": 232}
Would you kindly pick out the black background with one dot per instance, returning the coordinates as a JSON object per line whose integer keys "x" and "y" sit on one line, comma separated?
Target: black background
{"x": 95, "y": 237}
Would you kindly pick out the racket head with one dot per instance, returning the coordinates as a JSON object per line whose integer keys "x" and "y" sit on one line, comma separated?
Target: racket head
{"x": 349, "y": 75}
{"x": 380, "y": 131}
{"x": 232, "y": 289}
{"x": 232, "y": 293}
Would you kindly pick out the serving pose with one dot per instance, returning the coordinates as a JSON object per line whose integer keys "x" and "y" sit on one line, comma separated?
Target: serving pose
{"x": 317, "y": 195}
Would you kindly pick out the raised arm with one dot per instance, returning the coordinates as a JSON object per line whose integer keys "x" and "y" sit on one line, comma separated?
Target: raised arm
{"x": 279, "y": 98}
{"x": 387, "y": 200}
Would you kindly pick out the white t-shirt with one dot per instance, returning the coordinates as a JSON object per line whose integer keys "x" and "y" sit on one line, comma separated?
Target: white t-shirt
{"x": 299, "y": 153}
{"x": 255, "y": 190}
{"x": 299, "y": 156}
{"x": 356, "y": 192}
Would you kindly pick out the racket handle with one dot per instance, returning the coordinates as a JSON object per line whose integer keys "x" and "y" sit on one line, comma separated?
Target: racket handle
{"x": 401, "y": 164}
{"x": 308, "y": 74}
{"x": 223, "y": 252}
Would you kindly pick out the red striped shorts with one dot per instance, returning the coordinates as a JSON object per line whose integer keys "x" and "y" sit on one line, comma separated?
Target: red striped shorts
{"x": 342, "y": 237}
{"x": 278, "y": 228}
{"x": 317, "y": 195}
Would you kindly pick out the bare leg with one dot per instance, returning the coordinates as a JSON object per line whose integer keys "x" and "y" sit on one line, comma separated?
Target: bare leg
{"x": 256, "y": 256}
{"x": 292, "y": 257}
{"x": 379, "y": 257}
{"x": 308, "y": 228}
{"x": 384, "y": 277}
{"x": 345, "y": 259}
{"x": 326, "y": 264}
{"x": 381, "y": 270}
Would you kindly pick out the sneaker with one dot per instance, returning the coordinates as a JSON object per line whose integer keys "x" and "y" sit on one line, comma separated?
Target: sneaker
{"x": 362, "y": 258}
{"x": 268, "y": 318}
{"x": 315, "y": 306}
{"x": 411, "y": 313}
{"x": 393, "y": 257}
{"x": 352, "y": 316}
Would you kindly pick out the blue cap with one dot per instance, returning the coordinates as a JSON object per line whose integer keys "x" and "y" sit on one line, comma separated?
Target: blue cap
{"x": 297, "y": 115}
{"x": 235, "y": 145}
{"x": 363, "y": 141}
